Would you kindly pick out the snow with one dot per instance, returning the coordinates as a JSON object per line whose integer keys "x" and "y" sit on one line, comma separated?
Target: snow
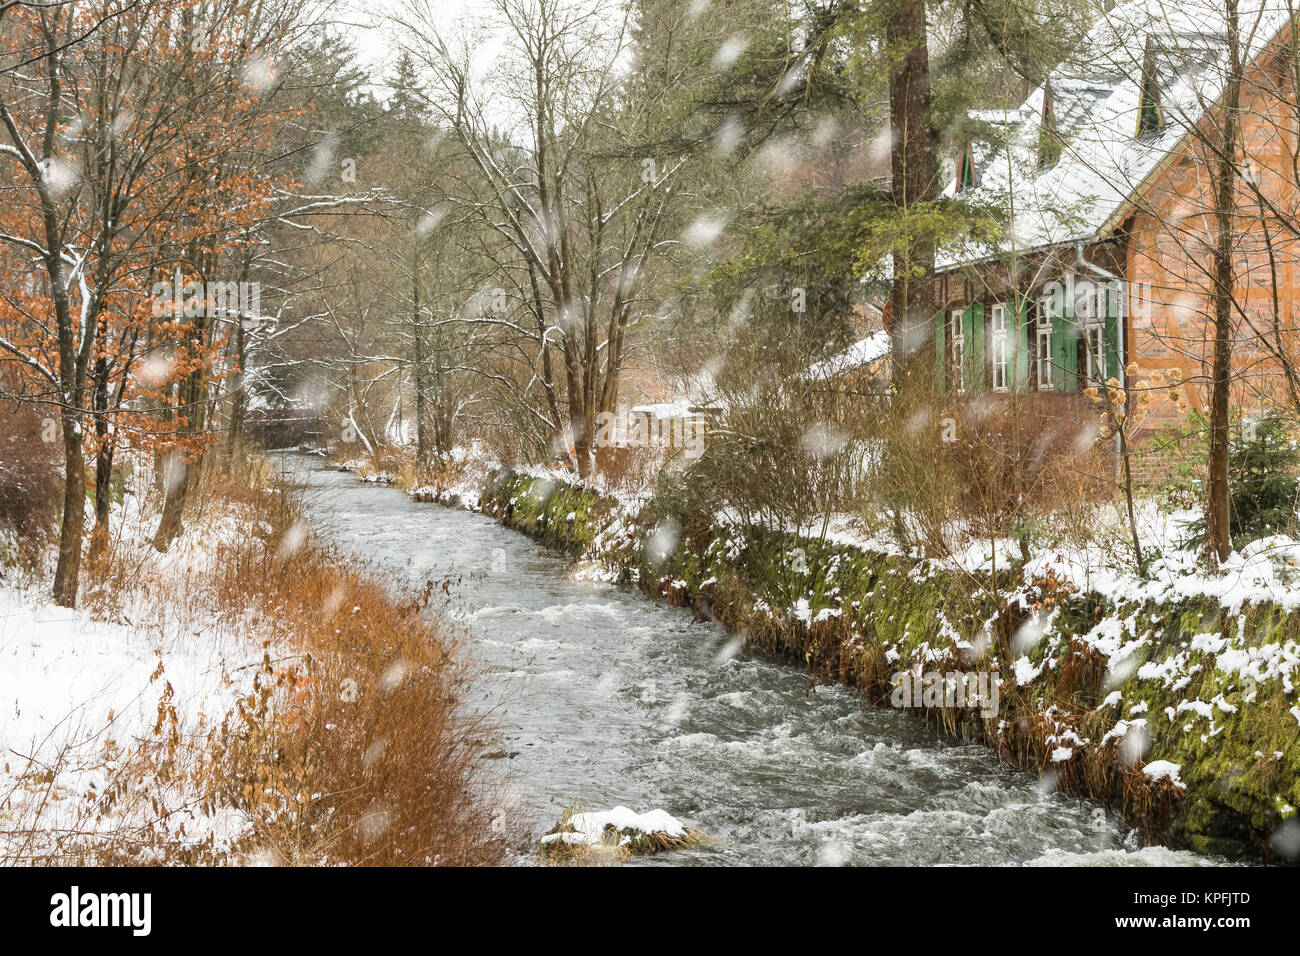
{"x": 1026, "y": 671}
{"x": 1122, "y": 727}
{"x": 663, "y": 410}
{"x": 1266, "y": 571}
{"x": 1209, "y": 642}
{"x": 66, "y": 679}
{"x": 1165, "y": 770}
{"x": 861, "y": 353}
{"x": 802, "y": 610}
{"x": 1095, "y": 101}
{"x": 588, "y": 828}
{"x": 80, "y": 697}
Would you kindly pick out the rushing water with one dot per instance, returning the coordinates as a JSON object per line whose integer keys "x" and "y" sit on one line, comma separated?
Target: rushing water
{"x": 612, "y": 698}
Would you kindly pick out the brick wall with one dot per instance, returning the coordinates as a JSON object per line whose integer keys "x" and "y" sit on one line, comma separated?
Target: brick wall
{"x": 1170, "y": 261}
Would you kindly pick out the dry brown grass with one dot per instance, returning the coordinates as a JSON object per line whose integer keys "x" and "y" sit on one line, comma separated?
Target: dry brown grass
{"x": 373, "y": 756}
{"x": 373, "y": 759}
{"x": 351, "y": 741}
{"x": 386, "y": 463}
{"x": 440, "y": 474}
{"x": 630, "y": 470}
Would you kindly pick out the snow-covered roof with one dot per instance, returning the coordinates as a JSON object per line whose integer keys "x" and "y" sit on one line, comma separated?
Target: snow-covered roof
{"x": 861, "y": 353}
{"x": 663, "y": 410}
{"x": 1095, "y": 102}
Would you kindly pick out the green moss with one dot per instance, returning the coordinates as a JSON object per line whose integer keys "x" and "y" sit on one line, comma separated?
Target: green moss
{"x": 1242, "y": 776}
{"x": 563, "y": 515}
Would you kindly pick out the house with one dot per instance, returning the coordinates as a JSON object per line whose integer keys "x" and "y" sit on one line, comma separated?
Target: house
{"x": 866, "y": 359}
{"x": 1104, "y": 172}
{"x": 846, "y": 377}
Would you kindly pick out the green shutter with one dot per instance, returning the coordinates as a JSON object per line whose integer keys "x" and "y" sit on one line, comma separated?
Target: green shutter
{"x": 1065, "y": 347}
{"x": 1019, "y": 318}
{"x": 940, "y": 349}
{"x": 967, "y": 346}
{"x": 975, "y": 348}
{"x": 1112, "y": 331}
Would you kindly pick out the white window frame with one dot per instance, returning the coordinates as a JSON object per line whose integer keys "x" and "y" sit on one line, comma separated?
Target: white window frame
{"x": 999, "y": 345}
{"x": 1043, "y": 343}
{"x": 1090, "y": 300}
{"x": 1094, "y": 342}
{"x": 957, "y": 346}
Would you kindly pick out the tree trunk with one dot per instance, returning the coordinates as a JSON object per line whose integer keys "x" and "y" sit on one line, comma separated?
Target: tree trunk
{"x": 238, "y": 403}
{"x": 913, "y": 175}
{"x": 418, "y": 359}
{"x": 170, "y": 527}
{"x": 579, "y": 433}
{"x": 103, "y": 459}
{"x": 67, "y": 573}
{"x": 103, "y": 500}
{"x": 1218, "y": 502}
{"x": 1126, "y": 457}
{"x": 180, "y": 470}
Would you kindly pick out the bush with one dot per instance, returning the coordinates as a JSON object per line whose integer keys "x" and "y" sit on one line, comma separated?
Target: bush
{"x": 1020, "y": 466}
{"x": 987, "y": 467}
{"x": 31, "y": 478}
{"x": 1264, "y": 479}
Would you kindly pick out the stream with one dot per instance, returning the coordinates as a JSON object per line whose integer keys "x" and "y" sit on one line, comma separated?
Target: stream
{"x": 607, "y": 696}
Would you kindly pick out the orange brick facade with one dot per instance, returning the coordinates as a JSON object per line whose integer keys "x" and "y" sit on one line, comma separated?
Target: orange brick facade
{"x": 1171, "y": 236}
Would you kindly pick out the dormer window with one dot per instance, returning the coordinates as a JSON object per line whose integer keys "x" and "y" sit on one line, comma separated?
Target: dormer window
{"x": 1151, "y": 118}
{"x": 1049, "y": 141}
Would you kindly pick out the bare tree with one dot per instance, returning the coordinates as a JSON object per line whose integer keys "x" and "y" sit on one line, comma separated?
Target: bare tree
{"x": 577, "y": 204}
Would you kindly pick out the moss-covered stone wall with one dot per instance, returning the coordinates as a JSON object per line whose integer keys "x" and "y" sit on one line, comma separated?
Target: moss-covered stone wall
{"x": 1093, "y": 690}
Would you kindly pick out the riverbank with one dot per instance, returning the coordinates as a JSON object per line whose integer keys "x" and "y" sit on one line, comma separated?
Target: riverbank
{"x": 244, "y": 698}
{"x": 1177, "y": 711}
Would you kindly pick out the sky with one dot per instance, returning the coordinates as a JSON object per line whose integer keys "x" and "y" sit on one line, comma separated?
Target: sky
{"x": 375, "y": 38}
{"x": 378, "y": 40}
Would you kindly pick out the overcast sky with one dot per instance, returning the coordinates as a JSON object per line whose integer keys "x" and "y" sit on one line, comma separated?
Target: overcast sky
{"x": 375, "y": 38}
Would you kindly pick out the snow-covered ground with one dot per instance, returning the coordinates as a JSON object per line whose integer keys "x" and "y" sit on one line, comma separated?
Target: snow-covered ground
{"x": 1265, "y": 571}
{"x": 83, "y": 700}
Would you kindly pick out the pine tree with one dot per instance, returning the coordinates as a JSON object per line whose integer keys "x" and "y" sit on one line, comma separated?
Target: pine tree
{"x": 1263, "y": 468}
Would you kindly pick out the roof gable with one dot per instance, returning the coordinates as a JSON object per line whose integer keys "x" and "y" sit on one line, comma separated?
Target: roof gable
{"x": 1096, "y": 105}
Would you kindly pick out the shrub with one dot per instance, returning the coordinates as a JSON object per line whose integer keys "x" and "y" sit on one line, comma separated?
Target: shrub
{"x": 31, "y": 478}
{"x": 1264, "y": 480}
{"x": 987, "y": 467}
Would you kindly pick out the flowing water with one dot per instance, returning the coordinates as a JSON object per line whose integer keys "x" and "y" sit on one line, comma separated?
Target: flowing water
{"x": 612, "y": 698}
